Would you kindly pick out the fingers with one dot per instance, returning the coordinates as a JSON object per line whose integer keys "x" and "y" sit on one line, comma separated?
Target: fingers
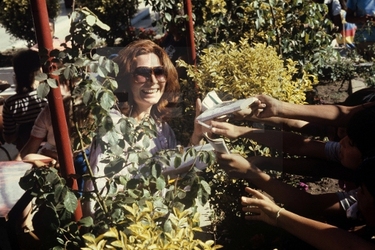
{"x": 198, "y": 107}
{"x": 254, "y": 192}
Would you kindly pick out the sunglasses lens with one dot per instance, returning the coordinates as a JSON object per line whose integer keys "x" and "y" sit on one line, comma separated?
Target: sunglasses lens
{"x": 159, "y": 71}
{"x": 143, "y": 74}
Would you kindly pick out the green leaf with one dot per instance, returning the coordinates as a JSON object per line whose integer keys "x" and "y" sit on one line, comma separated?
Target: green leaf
{"x": 91, "y": 20}
{"x": 102, "y": 72}
{"x": 107, "y": 100}
{"x": 168, "y": 16}
{"x": 28, "y": 180}
{"x": 133, "y": 157}
{"x": 102, "y": 25}
{"x": 41, "y": 77}
{"x": 177, "y": 161}
{"x": 206, "y": 186}
{"x": 43, "y": 90}
{"x": 86, "y": 222}
{"x": 59, "y": 190}
{"x": 114, "y": 167}
{"x": 168, "y": 226}
{"x": 70, "y": 202}
{"x": 160, "y": 183}
{"x": 52, "y": 83}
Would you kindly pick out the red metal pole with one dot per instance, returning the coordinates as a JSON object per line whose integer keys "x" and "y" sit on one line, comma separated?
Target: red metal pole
{"x": 55, "y": 100}
{"x": 190, "y": 32}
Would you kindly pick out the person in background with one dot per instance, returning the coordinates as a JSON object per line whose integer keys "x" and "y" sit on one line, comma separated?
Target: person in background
{"x": 346, "y": 29}
{"x": 362, "y": 13}
{"x": 41, "y": 145}
{"x": 21, "y": 109}
{"x": 318, "y": 234}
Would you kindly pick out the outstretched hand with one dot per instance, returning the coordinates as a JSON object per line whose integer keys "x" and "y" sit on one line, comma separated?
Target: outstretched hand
{"x": 260, "y": 207}
{"x": 237, "y": 166}
{"x": 255, "y": 109}
{"x": 271, "y": 106}
{"x": 198, "y": 129}
{"x": 226, "y": 129}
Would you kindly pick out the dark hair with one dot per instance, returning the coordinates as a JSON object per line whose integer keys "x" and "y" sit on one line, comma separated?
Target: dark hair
{"x": 25, "y": 64}
{"x": 361, "y": 96}
{"x": 126, "y": 61}
{"x": 361, "y": 131}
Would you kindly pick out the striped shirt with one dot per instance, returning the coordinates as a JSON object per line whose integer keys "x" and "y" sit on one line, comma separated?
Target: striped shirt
{"x": 21, "y": 109}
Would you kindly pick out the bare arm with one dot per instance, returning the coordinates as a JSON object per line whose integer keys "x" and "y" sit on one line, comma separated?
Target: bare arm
{"x": 304, "y": 166}
{"x": 294, "y": 199}
{"x": 284, "y": 141}
{"x": 197, "y": 135}
{"x": 317, "y": 234}
{"x": 330, "y": 115}
{"x": 31, "y": 146}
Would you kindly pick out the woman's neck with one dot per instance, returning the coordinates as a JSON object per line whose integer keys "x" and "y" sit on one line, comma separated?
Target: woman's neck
{"x": 139, "y": 114}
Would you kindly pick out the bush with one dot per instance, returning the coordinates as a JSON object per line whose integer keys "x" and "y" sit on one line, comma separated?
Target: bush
{"x": 144, "y": 209}
{"x": 241, "y": 70}
{"x": 116, "y": 14}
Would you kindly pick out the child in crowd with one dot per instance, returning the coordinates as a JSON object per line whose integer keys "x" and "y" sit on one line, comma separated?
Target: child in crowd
{"x": 21, "y": 109}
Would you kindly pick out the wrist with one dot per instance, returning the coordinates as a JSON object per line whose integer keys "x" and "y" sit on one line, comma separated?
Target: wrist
{"x": 278, "y": 214}
{"x": 195, "y": 140}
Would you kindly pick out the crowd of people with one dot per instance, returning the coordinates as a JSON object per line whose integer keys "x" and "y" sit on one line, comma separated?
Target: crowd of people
{"x": 149, "y": 77}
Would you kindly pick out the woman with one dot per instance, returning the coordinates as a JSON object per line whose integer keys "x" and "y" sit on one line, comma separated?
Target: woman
{"x": 21, "y": 109}
{"x": 318, "y": 234}
{"x": 150, "y": 79}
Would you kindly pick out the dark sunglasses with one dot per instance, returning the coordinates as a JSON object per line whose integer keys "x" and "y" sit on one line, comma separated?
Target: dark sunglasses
{"x": 143, "y": 74}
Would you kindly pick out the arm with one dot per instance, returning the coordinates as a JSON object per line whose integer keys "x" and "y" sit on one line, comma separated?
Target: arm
{"x": 317, "y": 234}
{"x": 294, "y": 199}
{"x": 295, "y": 125}
{"x": 304, "y": 166}
{"x": 9, "y": 125}
{"x": 197, "y": 135}
{"x": 331, "y": 115}
{"x": 284, "y": 141}
{"x": 31, "y": 146}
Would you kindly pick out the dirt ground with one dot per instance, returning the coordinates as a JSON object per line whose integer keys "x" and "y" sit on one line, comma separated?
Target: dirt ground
{"x": 327, "y": 93}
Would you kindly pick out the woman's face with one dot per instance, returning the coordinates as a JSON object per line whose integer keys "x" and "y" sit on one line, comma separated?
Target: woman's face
{"x": 350, "y": 156}
{"x": 148, "y": 82}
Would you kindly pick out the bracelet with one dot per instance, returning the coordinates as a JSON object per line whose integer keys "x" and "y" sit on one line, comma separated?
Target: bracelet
{"x": 278, "y": 214}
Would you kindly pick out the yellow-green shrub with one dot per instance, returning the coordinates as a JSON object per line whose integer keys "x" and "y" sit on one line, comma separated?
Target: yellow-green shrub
{"x": 244, "y": 70}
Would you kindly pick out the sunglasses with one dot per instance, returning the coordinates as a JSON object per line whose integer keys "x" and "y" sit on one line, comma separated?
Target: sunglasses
{"x": 143, "y": 74}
